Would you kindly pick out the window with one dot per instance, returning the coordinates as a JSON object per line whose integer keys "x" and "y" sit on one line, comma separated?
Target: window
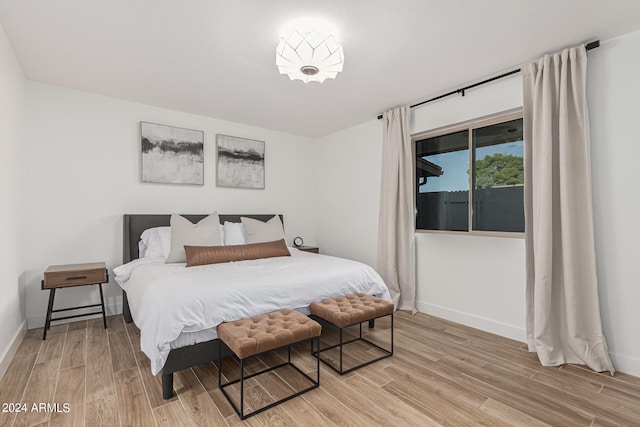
{"x": 486, "y": 157}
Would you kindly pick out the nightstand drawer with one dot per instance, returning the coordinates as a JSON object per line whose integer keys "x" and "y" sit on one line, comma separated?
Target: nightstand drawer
{"x": 312, "y": 249}
{"x": 61, "y": 276}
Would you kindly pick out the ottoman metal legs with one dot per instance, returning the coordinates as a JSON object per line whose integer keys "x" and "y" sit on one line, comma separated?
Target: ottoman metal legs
{"x": 241, "y": 410}
{"x": 340, "y": 369}
{"x": 349, "y": 310}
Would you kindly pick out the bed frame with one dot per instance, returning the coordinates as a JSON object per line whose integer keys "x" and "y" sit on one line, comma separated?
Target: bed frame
{"x": 183, "y": 357}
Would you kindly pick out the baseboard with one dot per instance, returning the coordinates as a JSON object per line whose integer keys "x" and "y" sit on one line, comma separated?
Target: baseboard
{"x": 38, "y": 321}
{"x": 5, "y": 360}
{"x": 624, "y": 363}
{"x": 482, "y": 323}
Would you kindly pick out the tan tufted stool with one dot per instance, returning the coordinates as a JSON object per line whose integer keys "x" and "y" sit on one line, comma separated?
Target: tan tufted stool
{"x": 260, "y": 334}
{"x": 349, "y": 310}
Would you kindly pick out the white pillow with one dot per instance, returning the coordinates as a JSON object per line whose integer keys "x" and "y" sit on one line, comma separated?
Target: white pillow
{"x": 155, "y": 242}
{"x": 183, "y": 232}
{"x": 234, "y": 234}
{"x": 142, "y": 249}
{"x": 258, "y": 231}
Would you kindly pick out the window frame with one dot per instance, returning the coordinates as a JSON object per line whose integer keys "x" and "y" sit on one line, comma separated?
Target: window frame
{"x": 470, "y": 125}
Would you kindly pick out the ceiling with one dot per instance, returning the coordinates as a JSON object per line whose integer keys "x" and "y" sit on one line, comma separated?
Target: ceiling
{"x": 216, "y": 58}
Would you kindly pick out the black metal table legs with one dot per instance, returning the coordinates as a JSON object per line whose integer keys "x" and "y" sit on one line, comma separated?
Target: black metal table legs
{"x": 50, "y": 311}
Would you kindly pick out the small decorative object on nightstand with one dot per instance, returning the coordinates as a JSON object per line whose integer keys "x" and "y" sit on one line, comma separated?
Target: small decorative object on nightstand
{"x": 65, "y": 276}
{"x": 312, "y": 249}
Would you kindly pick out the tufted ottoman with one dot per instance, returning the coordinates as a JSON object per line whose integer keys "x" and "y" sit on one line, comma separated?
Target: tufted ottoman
{"x": 257, "y": 335}
{"x": 349, "y": 310}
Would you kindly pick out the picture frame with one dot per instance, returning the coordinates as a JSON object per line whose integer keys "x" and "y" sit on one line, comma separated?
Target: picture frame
{"x": 171, "y": 155}
{"x": 240, "y": 162}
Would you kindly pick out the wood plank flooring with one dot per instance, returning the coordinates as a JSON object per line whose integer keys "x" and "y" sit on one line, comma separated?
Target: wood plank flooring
{"x": 441, "y": 373}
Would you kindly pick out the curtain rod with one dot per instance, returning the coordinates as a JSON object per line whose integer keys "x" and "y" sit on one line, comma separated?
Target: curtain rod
{"x": 588, "y": 46}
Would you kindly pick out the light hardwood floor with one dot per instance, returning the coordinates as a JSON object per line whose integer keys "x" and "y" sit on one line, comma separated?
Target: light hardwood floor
{"x": 441, "y": 373}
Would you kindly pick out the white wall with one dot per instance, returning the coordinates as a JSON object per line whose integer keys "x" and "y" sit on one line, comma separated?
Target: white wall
{"x": 84, "y": 173}
{"x": 12, "y": 177}
{"x": 487, "y": 292}
{"x": 348, "y": 166}
{"x": 614, "y": 93}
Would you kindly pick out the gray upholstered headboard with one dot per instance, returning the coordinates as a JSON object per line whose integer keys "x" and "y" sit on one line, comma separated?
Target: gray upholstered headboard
{"x": 135, "y": 224}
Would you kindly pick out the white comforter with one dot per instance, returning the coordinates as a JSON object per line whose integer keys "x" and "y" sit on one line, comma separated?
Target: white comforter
{"x": 168, "y": 300}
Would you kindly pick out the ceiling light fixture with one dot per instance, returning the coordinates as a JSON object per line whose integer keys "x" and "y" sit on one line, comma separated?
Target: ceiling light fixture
{"x": 309, "y": 51}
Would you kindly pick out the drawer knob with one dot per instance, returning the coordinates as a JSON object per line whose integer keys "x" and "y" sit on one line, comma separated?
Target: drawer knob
{"x": 76, "y": 277}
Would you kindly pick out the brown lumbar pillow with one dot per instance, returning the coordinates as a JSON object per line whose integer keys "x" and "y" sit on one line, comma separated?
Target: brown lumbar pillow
{"x": 201, "y": 255}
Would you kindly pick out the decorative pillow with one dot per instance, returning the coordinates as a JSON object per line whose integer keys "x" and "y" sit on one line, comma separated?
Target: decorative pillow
{"x": 142, "y": 249}
{"x": 201, "y": 255}
{"x": 156, "y": 242}
{"x": 183, "y": 232}
{"x": 234, "y": 233}
{"x": 258, "y": 231}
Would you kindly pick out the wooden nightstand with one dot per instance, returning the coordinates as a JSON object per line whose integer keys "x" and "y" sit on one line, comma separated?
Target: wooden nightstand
{"x": 312, "y": 249}
{"x": 65, "y": 276}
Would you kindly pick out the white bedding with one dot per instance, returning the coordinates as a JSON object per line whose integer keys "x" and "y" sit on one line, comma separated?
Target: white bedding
{"x": 174, "y": 305}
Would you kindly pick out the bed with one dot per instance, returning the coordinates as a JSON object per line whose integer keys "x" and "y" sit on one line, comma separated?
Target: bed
{"x": 177, "y": 309}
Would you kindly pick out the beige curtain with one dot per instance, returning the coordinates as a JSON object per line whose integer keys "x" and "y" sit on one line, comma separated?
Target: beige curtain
{"x": 563, "y": 311}
{"x": 396, "y": 248}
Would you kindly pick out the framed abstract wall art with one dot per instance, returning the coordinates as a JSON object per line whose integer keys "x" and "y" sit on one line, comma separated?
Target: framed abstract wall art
{"x": 240, "y": 162}
{"x": 172, "y": 155}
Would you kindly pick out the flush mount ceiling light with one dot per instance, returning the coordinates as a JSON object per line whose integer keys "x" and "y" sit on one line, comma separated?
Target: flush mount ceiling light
{"x": 308, "y": 51}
